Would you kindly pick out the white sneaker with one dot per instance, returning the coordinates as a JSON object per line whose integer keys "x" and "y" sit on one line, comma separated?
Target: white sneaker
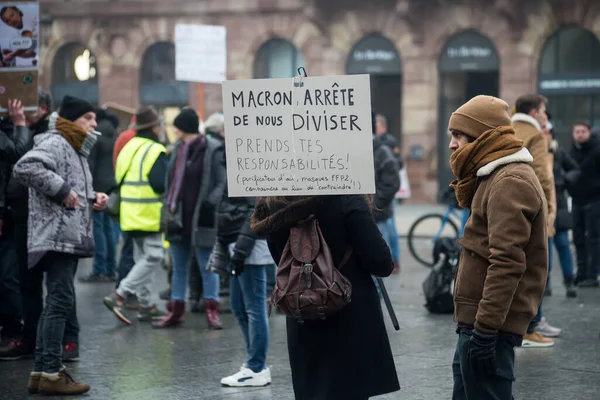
{"x": 546, "y": 329}
{"x": 246, "y": 377}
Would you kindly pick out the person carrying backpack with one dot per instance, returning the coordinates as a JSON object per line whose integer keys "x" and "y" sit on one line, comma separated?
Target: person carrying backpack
{"x": 338, "y": 351}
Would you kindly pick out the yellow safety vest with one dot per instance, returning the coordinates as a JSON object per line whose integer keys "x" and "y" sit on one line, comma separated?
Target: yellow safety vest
{"x": 140, "y": 204}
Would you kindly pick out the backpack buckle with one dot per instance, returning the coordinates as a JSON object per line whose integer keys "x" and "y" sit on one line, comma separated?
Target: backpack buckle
{"x": 307, "y": 270}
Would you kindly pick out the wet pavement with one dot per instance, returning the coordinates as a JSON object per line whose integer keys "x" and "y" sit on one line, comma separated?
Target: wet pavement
{"x": 137, "y": 362}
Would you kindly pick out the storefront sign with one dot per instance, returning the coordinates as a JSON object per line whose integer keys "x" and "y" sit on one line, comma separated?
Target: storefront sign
{"x": 469, "y": 51}
{"x": 376, "y": 55}
{"x": 569, "y": 84}
{"x": 287, "y": 138}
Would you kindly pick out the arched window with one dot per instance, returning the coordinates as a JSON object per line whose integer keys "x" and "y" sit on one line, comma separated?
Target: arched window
{"x": 74, "y": 72}
{"x": 468, "y": 66}
{"x": 569, "y": 76}
{"x": 158, "y": 86}
{"x": 277, "y": 58}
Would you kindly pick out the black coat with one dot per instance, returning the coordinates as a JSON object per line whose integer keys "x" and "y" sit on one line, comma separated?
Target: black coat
{"x": 584, "y": 185}
{"x": 348, "y": 355}
{"x": 563, "y": 165}
{"x": 100, "y": 159}
{"x": 387, "y": 180}
{"x": 233, "y": 224}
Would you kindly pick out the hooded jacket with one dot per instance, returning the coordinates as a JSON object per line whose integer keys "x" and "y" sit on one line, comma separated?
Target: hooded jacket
{"x": 387, "y": 180}
{"x": 100, "y": 158}
{"x": 51, "y": 170}
{"x": 585, "y": 185}
{"x": 503, "y": 266}
{"x": 530, "y": 132}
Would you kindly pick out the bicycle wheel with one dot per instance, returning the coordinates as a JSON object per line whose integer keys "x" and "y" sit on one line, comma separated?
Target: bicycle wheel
{"x": 424, "y": 232}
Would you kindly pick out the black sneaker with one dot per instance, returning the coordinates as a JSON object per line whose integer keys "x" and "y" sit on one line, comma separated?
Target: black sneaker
{"x": 165, "y": 294}
{"x": 15, "y": 349}
{"x": 132, "y": 303}
{"x": 589, "y": 283}
{"x": 70, "y": 352}
{"x": 92, "y": 278}
{"x": 148, "y": 314}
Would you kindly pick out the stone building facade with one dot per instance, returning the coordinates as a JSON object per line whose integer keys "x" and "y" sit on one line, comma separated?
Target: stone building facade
{"x": 426, "y": 56}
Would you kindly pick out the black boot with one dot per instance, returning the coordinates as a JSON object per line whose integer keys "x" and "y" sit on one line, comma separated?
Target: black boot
{"x": 570, "y": 286}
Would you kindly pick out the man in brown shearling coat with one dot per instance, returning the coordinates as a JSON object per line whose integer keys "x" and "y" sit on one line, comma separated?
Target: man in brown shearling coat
{"x": 529, "y": 119}
{"x": 504, "y": 261}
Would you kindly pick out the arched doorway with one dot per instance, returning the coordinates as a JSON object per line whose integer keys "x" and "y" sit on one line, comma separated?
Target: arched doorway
{"x": 158, "y": 86}
{"x": 74, "y": 73}
{"x": 569, "y": 76}
{"x": 468, "y": 66}
{"x": 277, "y": 58}
{"x": 376, "y": 55}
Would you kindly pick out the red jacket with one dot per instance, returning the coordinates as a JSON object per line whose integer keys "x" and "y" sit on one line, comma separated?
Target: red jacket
{"x": 121, "y": 141}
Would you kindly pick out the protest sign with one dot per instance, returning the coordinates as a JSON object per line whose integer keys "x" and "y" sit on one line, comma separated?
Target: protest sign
{"x": 290, "y": 137}
{"x": 200, "y": 53}
{"x": 19, "y": 53}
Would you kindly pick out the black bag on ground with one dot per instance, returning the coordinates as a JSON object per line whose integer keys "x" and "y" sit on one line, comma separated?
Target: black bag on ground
{"x": 437, "y": 288}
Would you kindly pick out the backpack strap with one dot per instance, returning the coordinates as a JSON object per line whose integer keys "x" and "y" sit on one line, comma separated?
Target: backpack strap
{"x": 304, "y": 240}
{"x": 346, "y": 258}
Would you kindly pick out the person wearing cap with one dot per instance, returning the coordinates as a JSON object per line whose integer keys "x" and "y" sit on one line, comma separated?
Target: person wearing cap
{"x": 502, "y": 271}
{"x": 196, "y": 180}
{"x": 140, "y": 173}
{"x": 528, "y": 119}
{"x": 61, "y": 200}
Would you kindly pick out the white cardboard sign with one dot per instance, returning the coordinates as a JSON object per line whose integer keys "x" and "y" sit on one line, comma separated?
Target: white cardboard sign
{"x": 291, "y": 137}
{"x": 200, "y": 53}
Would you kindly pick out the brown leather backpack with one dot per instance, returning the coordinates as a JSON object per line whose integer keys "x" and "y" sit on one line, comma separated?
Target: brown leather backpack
{"x": 308, "y": 285}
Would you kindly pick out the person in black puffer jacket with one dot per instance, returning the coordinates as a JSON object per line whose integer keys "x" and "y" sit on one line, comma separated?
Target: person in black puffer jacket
{"x": 584, "y": 186}
{"x": 562, "y": 164}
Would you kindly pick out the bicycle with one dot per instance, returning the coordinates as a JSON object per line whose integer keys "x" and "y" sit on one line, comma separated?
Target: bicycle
{"x": 420, "y": 237}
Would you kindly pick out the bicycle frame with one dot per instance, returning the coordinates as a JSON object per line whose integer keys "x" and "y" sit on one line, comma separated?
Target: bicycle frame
{"x": 450, "y": 212}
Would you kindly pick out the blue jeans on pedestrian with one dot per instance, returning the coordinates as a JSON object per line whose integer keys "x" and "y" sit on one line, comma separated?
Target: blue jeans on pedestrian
{"x": 248, "y": 304}
{"x": 181, "y": 254}
{"x": 105, "y": 247}
{"x": 469, "y": 386}
{"x": 60, "y": 312}
{"x": 393, "y": 239}
{"x": 271, "y": 279}
{"x": 565, "y": 256}
{"x": 126, "y": 260}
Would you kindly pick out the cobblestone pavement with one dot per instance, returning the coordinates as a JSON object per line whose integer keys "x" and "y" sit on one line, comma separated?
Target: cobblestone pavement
{"x": 137, "y": 362}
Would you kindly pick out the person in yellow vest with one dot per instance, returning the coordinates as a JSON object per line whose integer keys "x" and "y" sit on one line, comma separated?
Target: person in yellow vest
{"x": 141, "y": 169}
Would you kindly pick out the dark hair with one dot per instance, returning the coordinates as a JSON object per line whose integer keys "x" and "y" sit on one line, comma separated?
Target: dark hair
{"x": 3, "y": 10}
{"x": 588, "y": 126}
{"x": 530, "y": 102}
{"x": 44, "y": 100}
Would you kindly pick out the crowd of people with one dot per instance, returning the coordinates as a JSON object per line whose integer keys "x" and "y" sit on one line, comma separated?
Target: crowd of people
{"x": 71, "y": 187}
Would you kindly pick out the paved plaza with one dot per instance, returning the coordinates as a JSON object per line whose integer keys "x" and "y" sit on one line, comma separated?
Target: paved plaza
{"x": 137, "y": 362}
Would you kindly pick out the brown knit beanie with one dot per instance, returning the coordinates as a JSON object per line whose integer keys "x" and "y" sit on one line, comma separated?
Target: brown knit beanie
{"x": 478, "y": 115}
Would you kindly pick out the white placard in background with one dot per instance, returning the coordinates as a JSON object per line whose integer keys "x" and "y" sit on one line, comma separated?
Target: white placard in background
{"x": 287, "y": 137}
{"x": 200, "y": 53}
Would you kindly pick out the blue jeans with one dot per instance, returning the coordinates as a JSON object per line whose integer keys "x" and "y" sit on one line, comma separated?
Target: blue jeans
{"x": 463, "y": 221}
{"x": 181, "y": 253}
{"x": 248, "y": 303}
{"x": 390, "y": 235}
{"x": 561, "y": 242}
{"x": 58, "y": 321}
{"x": 469, "y": 386}
{"x": 126, "y": 260}
{"x": 271, "y": 279}
{"x": 105, "y": 252}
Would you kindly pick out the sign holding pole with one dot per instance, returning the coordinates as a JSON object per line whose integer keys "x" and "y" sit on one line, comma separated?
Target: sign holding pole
{"x": 200, "y": 56}
{"x": 19, "y": 53}
{"x": 299, "y": 136}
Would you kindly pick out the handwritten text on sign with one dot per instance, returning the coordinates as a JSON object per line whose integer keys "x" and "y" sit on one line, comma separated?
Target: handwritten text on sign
{"x": 309, "y": 138}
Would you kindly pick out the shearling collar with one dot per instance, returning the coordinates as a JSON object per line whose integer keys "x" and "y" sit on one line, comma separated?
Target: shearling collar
{"x": 521, "y": 156}
{"x": 282, "y": 216}
{"x": 520, "y": 117}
